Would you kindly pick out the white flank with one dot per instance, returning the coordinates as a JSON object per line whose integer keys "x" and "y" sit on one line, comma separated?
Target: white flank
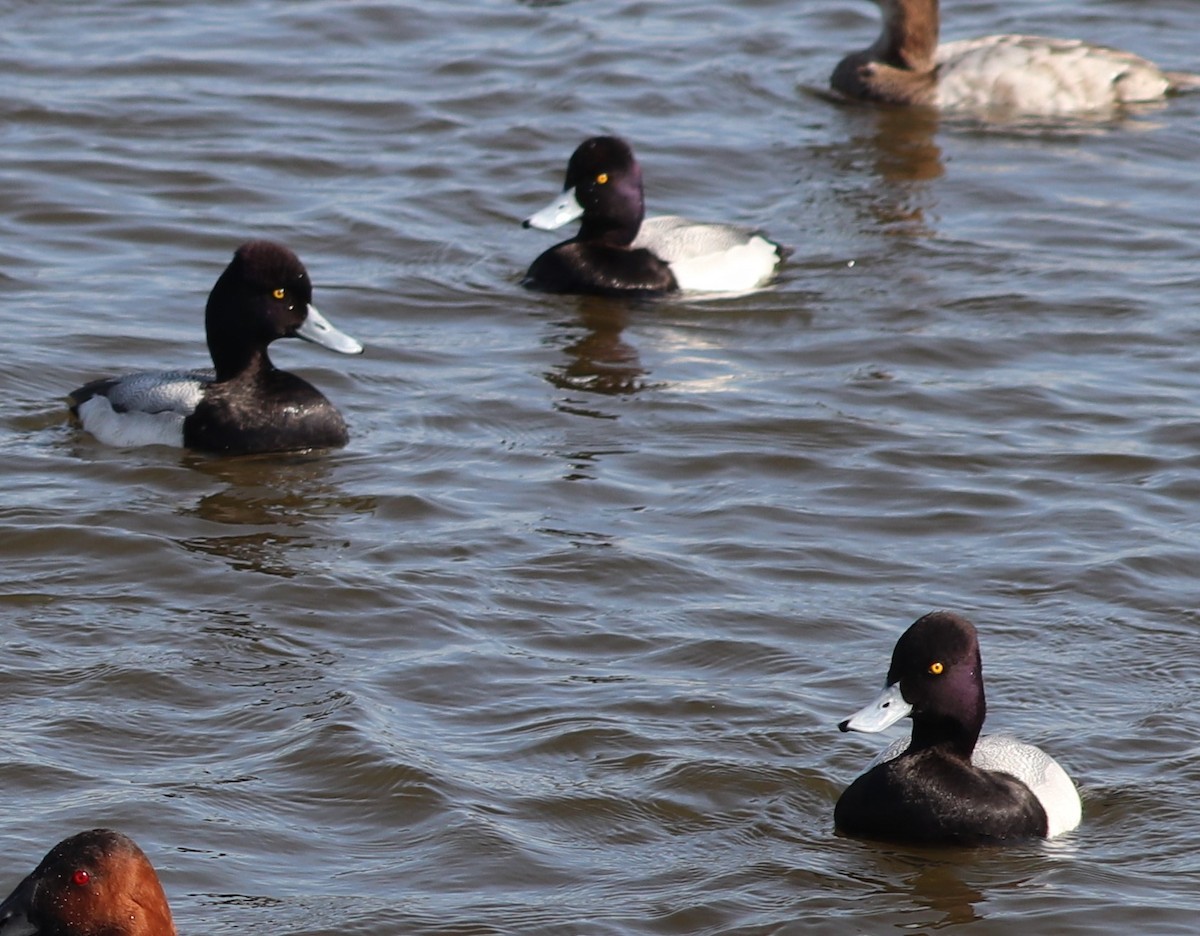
{"x": 709, "y": 257}
{"x": 145, "y": 408}
{"x": 130, "y": 429}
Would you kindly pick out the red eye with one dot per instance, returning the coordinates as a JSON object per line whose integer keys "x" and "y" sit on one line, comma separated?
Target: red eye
{"x": 81, "y": 878}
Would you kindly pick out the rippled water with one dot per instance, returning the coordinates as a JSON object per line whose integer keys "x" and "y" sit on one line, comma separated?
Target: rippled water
{"x": 559, "y": 643}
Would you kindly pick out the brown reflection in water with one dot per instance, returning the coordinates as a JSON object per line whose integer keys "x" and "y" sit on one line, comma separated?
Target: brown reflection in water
{"x": 939, "y": 888}
{"x": 899, "y": 147}
{"x": 259, "y": 552}
{"x": 282, "y": 495}
{"x": 904, "y": 143}
{"x": 905, "y": 152}
{"x": 601, "y": 361}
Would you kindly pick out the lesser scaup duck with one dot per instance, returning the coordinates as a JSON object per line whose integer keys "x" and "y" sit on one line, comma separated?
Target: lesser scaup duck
{"x": 96, "y": 883}
{"x": 941, "y": 787}
{"x": 616, "y": 252}
{"x": 245, "y": 405}
{"x": 1006, "y": 75}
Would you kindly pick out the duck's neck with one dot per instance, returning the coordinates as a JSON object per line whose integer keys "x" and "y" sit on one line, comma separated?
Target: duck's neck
{"x": 233, "y": 360}
{"x": 952, "y": 736}
{"x": 613, "y": 232}
{"x": 910, "y": 34}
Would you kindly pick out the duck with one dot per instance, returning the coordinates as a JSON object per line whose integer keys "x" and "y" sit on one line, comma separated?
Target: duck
{"x": 619, "y": 251}
{"x": 946, "y": 785}
{"x": 243, "y": 404}
{"x": 94, "y": 883}
{"x": 1001, "y": 75}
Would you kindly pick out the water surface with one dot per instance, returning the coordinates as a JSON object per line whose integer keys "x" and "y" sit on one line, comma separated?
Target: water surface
{"x": 559, "y": 642}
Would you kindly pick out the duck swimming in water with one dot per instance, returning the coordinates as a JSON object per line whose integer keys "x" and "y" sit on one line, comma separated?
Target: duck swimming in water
{"x": 946, "y": 785}
{"x": 619, "y": 251}
{"x": 244, "y": 404}
{"x": 1002, "y": 75}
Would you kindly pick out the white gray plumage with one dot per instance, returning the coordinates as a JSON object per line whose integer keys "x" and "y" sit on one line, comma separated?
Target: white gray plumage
{"x": 709, "y": 257}
{"x": 176, "y": 391}
{"x": 1035, "y": 75}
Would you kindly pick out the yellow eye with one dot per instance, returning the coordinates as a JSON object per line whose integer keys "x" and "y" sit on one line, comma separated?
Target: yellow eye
{"x": 279, "y": 293}
{"x": 936, "y": 668}
{"x": 602, "y": 178}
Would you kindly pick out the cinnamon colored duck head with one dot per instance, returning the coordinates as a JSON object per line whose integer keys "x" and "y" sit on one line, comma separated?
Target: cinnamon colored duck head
{"x": 96, "y": 883}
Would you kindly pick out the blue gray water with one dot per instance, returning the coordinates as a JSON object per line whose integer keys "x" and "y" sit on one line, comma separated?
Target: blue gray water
{"x": 558, "y": 644}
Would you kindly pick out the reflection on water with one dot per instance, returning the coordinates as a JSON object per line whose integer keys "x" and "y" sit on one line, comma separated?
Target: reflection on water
{"x": 583, "y": 466}
{"x": 601, "y": 360}
{"x": 268, "y": 553}
{"x": 900, "y": 148}
{"x": 940, "y": 888}
{"x": 904, "y": 144}
{"x": 276, "y": 493}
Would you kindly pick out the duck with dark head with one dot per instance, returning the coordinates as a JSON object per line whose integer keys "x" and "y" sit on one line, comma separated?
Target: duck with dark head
{"x": 946, "y": 784}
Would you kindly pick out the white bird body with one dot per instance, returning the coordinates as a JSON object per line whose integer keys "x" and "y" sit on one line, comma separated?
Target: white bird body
{"x": 709, "y": 257}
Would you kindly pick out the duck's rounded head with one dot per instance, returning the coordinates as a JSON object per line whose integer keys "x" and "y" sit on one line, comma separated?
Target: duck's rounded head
{"x": 264, "y": 294}
{"x": 936, "y": 677}
{"x": 96, "y": 883}
{"x": 603, "y": 185}
{"x": 938, "y": 667}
